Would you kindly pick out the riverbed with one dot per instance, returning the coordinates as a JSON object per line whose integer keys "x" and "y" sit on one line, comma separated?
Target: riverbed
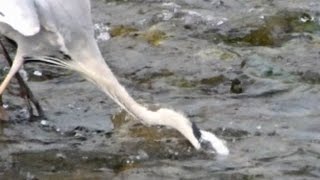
{"x": 246, "y": 70}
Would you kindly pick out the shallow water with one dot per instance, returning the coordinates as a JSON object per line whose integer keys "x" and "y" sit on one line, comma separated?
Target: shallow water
{"x": 246, "y": 70}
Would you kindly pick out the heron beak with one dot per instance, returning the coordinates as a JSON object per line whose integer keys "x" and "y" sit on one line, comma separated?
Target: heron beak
{"x": 209, "y": 142}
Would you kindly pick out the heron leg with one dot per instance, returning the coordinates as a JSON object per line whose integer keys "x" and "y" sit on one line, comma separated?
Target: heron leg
{"x": 30, "y": 99}
{"x": 16, "y": 65}
{"x": 25, "y": 91}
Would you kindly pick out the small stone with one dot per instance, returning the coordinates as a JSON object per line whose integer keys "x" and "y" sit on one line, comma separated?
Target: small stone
{"x": 37, "y": 73}
{"x": 143, "y": 155}
{"x": 236, "y": 86}
{"x": 44, "y": 123}
{"x": 220, "y": 22}
{"x": 60, "y": 156}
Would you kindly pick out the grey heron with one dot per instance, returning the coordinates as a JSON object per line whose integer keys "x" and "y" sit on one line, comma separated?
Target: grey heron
{"x": 60, "y": 32}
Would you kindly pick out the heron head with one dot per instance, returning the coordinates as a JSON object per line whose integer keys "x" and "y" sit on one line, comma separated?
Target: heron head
{"x": 210, "y": 142}
{"x": 200, "y": 139}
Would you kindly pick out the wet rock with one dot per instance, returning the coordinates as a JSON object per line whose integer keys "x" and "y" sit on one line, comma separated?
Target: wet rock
{"x": 220, "y": 53}
{"x": 155, "y": 36}
{"x": 310, "y": 77}
{"x": 122, "y": 30}
{"x": 232, "y": 133}
{"x": 274, "y": 31}
{"x": 263, "y": 70}
{"x": 213, "y": 81}
{"x": 269, "y": 127}
{"x": 236, "y": 86}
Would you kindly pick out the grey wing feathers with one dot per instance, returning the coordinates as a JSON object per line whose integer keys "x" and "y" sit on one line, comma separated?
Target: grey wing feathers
{"x": 21, "y": 15}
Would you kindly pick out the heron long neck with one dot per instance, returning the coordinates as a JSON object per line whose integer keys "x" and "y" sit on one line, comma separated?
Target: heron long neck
{"x": 94, "y": 68}
{"x": 111, "y": 86}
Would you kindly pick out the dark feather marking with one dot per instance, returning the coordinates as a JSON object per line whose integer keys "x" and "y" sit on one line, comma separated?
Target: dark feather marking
{"x": 31, "y": 59}
{"x": 65, "y": 56}
{"x": 50, "y": 56}
{"x": 37, "y": 61}
{"x": 196, "y": 131}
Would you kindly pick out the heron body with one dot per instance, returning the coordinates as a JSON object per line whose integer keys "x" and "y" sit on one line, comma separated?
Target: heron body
{"x": 61, "y": 33}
